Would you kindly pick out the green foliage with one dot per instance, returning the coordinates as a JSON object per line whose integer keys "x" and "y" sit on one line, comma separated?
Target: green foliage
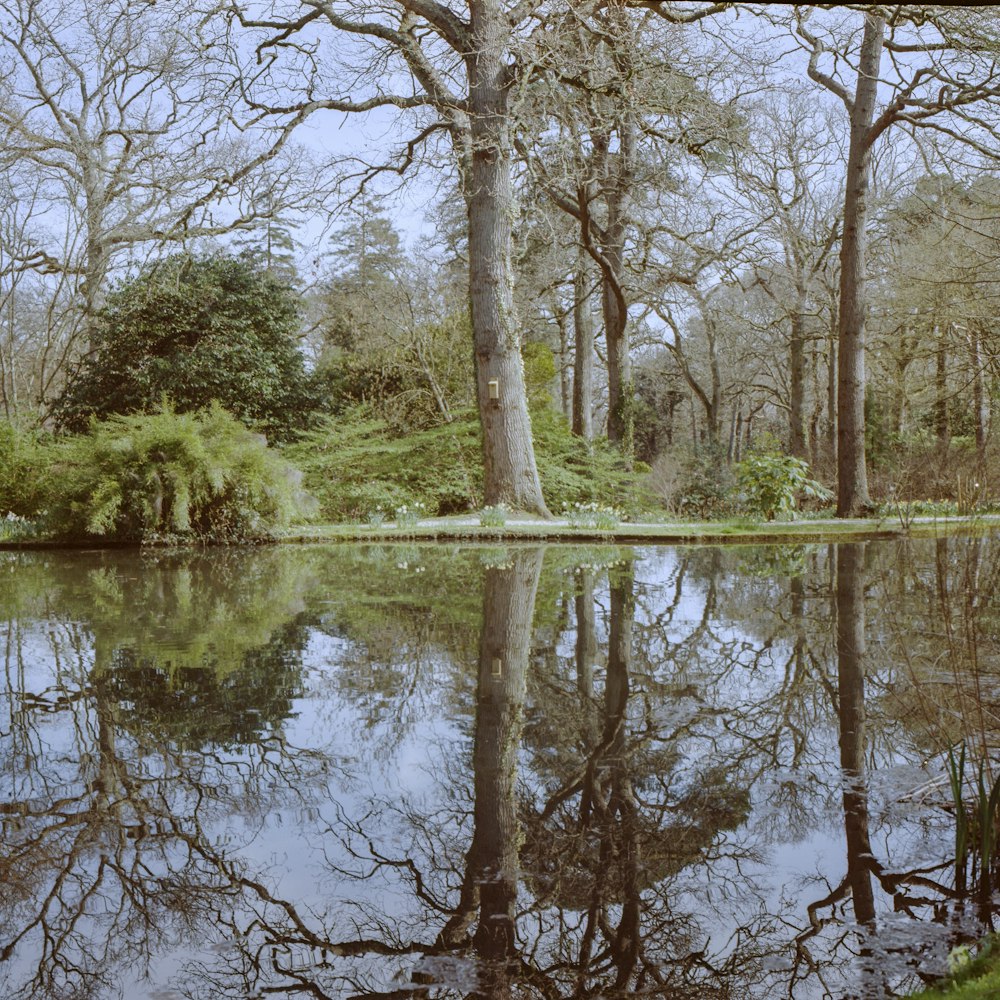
{"x": 973, "y": 977}
{"x": 705, "y": 484}
{"x": 539, "y": 372}
{"x": 196, "y": 330}
{"x": 977, "y": 822}
{"x": 573, "y": 470}
{"x": 173, "y": 477}
{"x": 771, "y": 484}
{"x": 25, "y": 480}
{"x": 359, "y": 463}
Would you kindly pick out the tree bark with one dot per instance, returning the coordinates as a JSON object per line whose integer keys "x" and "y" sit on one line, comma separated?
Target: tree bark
{"x": 852, "y": 475}
{"x": 583, "y": 359}
{"x": 979, "y": 397}
{"x": 510, "y": 472}
{"x": 565, "y": 379}
{"x": 831, "y": 385}
{"x": 797, "y": 438}
{"x": 620, "y": 418}
{"x": 942, "y": 425}
{"x": 96, "y": 258}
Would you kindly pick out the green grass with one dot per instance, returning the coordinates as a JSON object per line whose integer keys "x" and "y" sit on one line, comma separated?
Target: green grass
{"x": 523, "y": 528}
{"x": 977, "y": 980}
{"x": 707, "y": 531}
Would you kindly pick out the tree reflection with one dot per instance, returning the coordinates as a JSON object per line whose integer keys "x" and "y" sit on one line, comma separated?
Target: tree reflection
{"x": 566, "y": 896}
{"x": 851, "y": 715}
{"x": 606, "y": 845}
{"x": 493, "y": 864}
{"x": 104, "y": 849}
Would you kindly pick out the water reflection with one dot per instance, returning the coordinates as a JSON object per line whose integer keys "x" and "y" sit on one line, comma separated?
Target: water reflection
{"x": 512, "y": 772}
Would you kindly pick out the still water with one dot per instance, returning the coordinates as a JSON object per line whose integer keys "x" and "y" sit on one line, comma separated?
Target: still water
{"x": 552, "y": 772}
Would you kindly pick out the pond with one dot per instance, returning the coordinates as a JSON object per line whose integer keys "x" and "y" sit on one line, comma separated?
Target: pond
{"x": 511, "y": 771}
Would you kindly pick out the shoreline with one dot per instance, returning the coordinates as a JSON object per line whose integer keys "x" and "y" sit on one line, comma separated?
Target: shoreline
{"x": 467, "y": 529}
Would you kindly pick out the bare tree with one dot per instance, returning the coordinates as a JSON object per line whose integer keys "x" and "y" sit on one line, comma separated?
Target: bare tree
{"x": 783, "y": 176}
{"x": 124, "y": 137}
{"x": 942, "y": 75}
{"x": 617, "y": 91}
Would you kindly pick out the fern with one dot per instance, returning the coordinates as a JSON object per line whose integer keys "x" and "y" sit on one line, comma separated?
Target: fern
{"x": 173, "y": 477}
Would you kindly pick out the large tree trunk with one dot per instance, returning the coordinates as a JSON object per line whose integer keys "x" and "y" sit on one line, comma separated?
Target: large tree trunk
{"x": 852, "y": 476}
{"x": 831, "y": 385}
{"x": 493, "y": 860}
{"x": 942, "y": 425}
{"x": 979, "y": 398}
{"x": 619, "y": 360}
{"x": 565, "y": 377}
{"x": 510, "y": 473}
{"x": 797, "y": 443}
{"x": 97, "y": 258}
{"x": 583, "y": 360}
{"x": 615, "y": 308}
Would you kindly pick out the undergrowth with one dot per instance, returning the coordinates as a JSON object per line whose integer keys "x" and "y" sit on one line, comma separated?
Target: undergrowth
{"x": 167, "y": 477}
{"x": 357, "y": 464}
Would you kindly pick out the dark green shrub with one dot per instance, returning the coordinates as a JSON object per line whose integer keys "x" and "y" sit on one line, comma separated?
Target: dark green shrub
{"x": 196, "y": 330}
{"x": 173, "y": 477}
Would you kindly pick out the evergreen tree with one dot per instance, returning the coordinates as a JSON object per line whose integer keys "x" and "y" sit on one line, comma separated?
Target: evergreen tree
{"x": 195, "y": 330}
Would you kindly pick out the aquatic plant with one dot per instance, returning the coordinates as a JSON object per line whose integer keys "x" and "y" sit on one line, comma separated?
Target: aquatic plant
{"x": 977, "y": 822}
